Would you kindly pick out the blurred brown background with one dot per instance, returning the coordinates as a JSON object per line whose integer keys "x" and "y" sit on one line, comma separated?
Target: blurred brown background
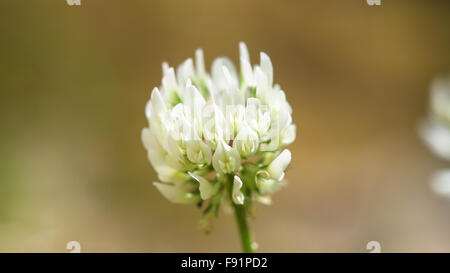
{"x": 74, "y": 81}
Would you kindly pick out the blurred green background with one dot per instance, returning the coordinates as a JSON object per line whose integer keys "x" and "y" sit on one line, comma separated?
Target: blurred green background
{"x": 74, "y": 81}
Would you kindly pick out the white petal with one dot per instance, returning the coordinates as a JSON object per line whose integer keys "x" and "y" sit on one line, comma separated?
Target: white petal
{"x": 217, "y": 72}
{"x": 199, "y": 62}
{"x": 170, "y": 175}
{"x": 170, "y": 86}
{"x": 247, "y": 72}
{"x": 185, "y": 71}
{"x": 175, "y": 151}
{"x": 167, "y": 167}
{"x": 193, "y": 102}
{"x": 207, "y": 189}
{"x": 156, "y": 153}
{"x": 257, "y": 116}
{"x": 212, "y": 90}
{"x": 213, "y": 122}
{"x": 266, "y": 66}
{"x": 284, "y": 117}
{"x": 243, "y": 51}
{"x": 288, "y": 135}
{"x": 169, "y": 80}
{"x": 234, "y": 97}
{"x": 145, "y": 137}
{"x": 230, "y": 80}
{"x": 262, "y": 85}
{"x": 158, "y": 103}
{"x": 148, "y": 109}
{"x": 165, "y": 67}
{"x": 176, "y": 194}
{"x": 237, "y": 195}
{"x": 279, "y": 164}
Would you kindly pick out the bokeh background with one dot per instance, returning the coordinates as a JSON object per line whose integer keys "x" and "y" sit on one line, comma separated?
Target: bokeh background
{"x": 74, "y": 81}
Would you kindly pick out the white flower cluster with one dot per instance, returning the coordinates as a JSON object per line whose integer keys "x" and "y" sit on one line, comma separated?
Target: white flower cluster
{"x": 436, "y": 129}
{"x": 218, "y": 133}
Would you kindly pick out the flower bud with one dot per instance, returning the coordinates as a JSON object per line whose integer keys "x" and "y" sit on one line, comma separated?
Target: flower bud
{"x": 279, "y": 164}
{"x": 237, "y": 195}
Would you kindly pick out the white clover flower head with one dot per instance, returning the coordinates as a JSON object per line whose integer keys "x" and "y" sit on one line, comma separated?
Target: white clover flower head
{"x": 219, "y": 135}
{"x": 435, "y": 129}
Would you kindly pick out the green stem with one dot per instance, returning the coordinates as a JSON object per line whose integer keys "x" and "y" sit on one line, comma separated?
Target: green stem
{"x": 240, "y": 213}
{"x": 241, "y": 219}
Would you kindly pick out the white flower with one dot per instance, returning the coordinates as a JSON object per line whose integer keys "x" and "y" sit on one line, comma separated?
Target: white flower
{"x": 278, "y": 166}
{"x": 226, "y": 159}
{"x": 246, "y": 141}
{"x": 198, "y": 152}
{"x": 207, "y": 189}
{"x": 269, "y": 179}
{"x": 207, "y": 130}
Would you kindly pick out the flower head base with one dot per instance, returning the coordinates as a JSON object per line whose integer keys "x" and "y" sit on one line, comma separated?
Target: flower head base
{"x": 218, "y": 136}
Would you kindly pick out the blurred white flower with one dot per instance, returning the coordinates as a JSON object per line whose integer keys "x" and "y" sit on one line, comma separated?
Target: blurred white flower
{"x": 440, "y": 183}
{"x": 437, "y": 137}
{"x": 207, "y": 130}
{"x": 435, "y": 130}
